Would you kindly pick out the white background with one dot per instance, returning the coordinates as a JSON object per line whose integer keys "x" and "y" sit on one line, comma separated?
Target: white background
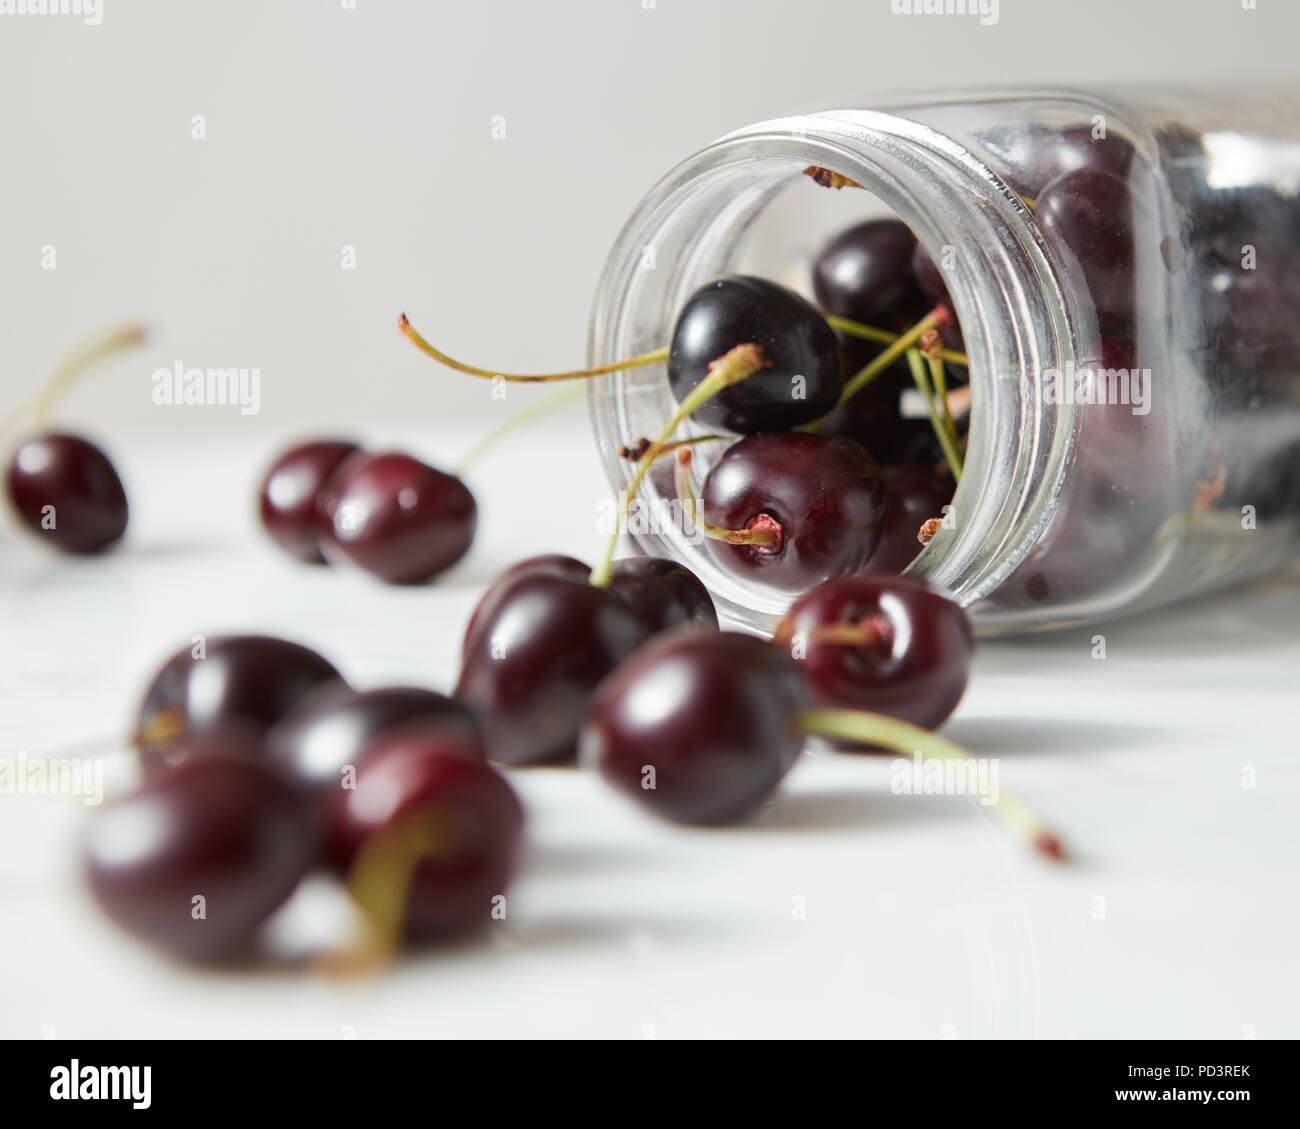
{"x": 372, "y": 128}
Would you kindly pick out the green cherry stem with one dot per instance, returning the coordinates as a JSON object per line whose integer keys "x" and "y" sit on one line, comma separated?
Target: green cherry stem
{"x": 72, "y": 368}
{"x": 922, "y": 381}
{"x": 545, "y": 406}
{"x": 765, "y": 530}
{"x": 731, "y": 368}
{"x": 850, "y": 328}
{"x": 409, "y": 332}
{"x": 899, "y": 736}
{"x": 936, "y": 317}
{"x": 933, "y": 355}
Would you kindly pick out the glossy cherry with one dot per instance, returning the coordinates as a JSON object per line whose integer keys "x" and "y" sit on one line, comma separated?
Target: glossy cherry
{"x": 1085, "y": 548}
{"x": 865, "y": 273}
{"x": 314, "y": 744}
{"x": 804, "y": 374}
{"x": 66, "y": 491}
{"x": 543, "y": 637}
{"x": 893, "y": 645}
{"x": 823, "y": 492}
{"x": 197, "y": 860}
{"x": 539, "y": 642}
{"x": 1039, "y": 154}
{"x": 1125, "y": 449}
{"x": 916, "y": 492}
{"x": 663, "y": 593}
{"x": 1091, "y": 215}
{"x": 287, "y": 499}
{"x": 697, "y": 727}
{"x": 395, "y": 517}
{"x": 436, "y": 819}
{"x": 247, "y": 682}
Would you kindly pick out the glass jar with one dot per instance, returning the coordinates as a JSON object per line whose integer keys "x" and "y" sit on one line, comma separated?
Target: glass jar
{"x": 1176, "y": 470}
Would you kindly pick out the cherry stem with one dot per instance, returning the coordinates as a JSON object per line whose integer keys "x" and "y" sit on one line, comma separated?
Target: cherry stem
{"x": 931, "y": 351}
{"x": 850, "y": 328}
{"x": 864, "y": 376}
{"x": 899, "y": 736}
{"x": 761, "y": 533}
{"x": 409, "y": 332}
{"x": 72, "y": 368}
{"x": 922, "y": 380}
{"x": 870, "y": 631}
{"x": 379, "y": 884}
{"x": 731, "y": 368}
{"x": 553, "y": 402}
{"x": 828, "y": 179}
{"x": 641, "y": 446}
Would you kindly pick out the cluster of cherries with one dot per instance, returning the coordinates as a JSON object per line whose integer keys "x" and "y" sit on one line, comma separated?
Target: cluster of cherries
{"x": 389, "y": 514}
{"x": 262, "y": 765}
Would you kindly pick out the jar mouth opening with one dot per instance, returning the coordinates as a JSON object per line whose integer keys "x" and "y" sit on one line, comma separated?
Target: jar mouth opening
{"x": 699, "y": 223}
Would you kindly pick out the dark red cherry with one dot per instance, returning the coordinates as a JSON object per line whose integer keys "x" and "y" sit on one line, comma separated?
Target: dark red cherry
{"x": 916, "y": 492}
{"x": 1125, "y": 448}
{"x": 1086, "y": 547}
{"x": 1251, "y": 310}
{"x": 823, "y": 492}
{"x": 1036, "y": 156}
{"x": 66, "y": 491}
{"x": 539, "y": 642}
{"x": 314, "y": 744}
{"x": 865, "y": 273}
{"x": 663, "y": 593}
{"x": 197, "y": 860}
{"x": 425, "y": 783}
{"x": 1090, "y": 215}
{"x": 395, "y": 517}
{"x": 287, "y": 499}
{"x": 804, "y": 377}
{"x": 243, "y": 681}
{"x": 893, "y": 645}
{"x": 932, "y": 285}
{"x": 699, "y": 727}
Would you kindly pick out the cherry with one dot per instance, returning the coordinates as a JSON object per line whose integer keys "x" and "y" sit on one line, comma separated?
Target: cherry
{"x": 822, "y": 494}
{"x": 66, "y": 491}
{"x": 697, "y": 727}
{"x": 1120, "y": 451}
{"x": 894, "y": 645}
{"x": 1085, "y": 547}
{"x": 915, "y": 492}
{"x": 395, "y": 517}
{"x": 1091, "y": 215}
{"x": 932, "y": 285}
{"x": 1038, "y": 155}
{"x": 221, "y": 830}
{"x": 326, "y": 733}
{"x": 289, "y": 492}
{"x": 662, "y": 593}
{"x": 865, "y": 273}
{"x": 802, "y": 377}
{"x": 700, "y": 727}
{"x": 430, "y": 834}
{"x": 539, "y": 642}
{"x": 239, "y": 681}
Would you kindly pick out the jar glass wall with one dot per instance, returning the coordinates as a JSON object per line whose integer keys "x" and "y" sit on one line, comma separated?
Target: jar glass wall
{"x": 1126, "y": 275}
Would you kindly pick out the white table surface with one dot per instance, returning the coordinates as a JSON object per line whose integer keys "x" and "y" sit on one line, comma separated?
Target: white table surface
{"x": 921, "y": 919}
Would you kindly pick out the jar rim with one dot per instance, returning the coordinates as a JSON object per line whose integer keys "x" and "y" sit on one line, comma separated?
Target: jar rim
{"x": 1008, "y": 298}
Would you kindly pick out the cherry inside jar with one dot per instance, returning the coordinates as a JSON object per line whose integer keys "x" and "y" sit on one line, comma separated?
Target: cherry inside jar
{"x": 1124, "y": 282}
